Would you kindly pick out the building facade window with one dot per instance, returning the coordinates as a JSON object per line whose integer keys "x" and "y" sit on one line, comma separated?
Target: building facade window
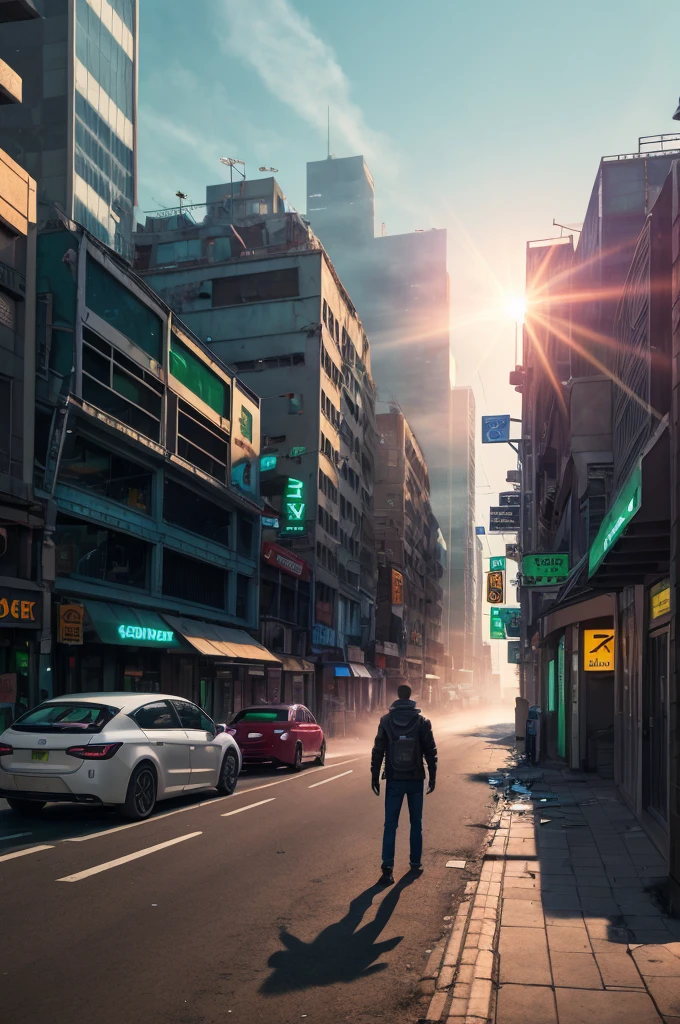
{"x": 104, "y": 58}
{"x": 88, "y": 549}
{"x": 192, "y": 580}
{"x": 119, "y": 386}
{"x": 90, "y": 467}
{"x": 266, "y": 285}
{"x": 108, "y": 297}
{"x": 190, "y": 511}
{"x": 199, "y": 378}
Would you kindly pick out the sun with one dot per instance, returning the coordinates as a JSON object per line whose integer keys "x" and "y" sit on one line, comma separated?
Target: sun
{"x": 516, "y": 307}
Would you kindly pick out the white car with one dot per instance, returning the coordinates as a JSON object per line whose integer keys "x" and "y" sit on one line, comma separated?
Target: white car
{"x": 124, "y": 749}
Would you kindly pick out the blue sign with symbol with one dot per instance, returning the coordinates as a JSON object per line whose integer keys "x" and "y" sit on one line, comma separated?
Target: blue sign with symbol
{"x": 495, "y": 429}
{"x": 480, "y": 530}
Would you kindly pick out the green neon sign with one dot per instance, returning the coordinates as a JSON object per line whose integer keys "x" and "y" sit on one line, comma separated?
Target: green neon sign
{"x": 497, "y": 563}
{"x": 267, "y": 462}
{"x": 294, "y": 507}
{"x": 497, "y": 625}
{"x": 544, "y": 570}
{"x": 159, "y": 636}
{"x": 626, "y": 505}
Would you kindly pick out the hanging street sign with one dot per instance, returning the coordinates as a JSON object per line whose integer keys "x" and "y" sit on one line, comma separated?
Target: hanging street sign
{"x": 503, "y": 519}
{"x": 512, "y": 620}
{"x": 598, "y": 650}
{"x": 513, "y": 652}
{"x": 495, "y": 429}
{"x": 495, "y": 588}
{"x": 267, "y": 462}
{"x": 544, "y": 570}
{"x": 496, "y": 625}
{"x": 507, "y": 498}
{"x": 480, "y": 531}
{"x": 497, "y": 563}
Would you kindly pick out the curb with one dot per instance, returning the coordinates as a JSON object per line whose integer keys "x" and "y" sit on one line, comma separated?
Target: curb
{"x": 460, "y": 972}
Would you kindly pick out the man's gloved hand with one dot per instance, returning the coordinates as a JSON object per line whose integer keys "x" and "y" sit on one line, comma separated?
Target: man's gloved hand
{"x": 431, "y": 785}
{"x": 375, "y": 786}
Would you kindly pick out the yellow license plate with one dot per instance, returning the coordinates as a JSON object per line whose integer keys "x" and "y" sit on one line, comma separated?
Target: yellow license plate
{"x": 40, "y": 755}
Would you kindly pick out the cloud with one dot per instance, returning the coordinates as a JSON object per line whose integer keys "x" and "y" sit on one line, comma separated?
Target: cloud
{"x": 302, "y": 71}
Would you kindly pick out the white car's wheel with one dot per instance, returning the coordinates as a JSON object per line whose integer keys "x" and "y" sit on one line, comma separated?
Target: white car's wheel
{"x": 141, "y": 795}
{"x": 228, "y": 774}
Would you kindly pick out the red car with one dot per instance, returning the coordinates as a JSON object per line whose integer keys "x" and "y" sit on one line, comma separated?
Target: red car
{"x": 278, "y": 734}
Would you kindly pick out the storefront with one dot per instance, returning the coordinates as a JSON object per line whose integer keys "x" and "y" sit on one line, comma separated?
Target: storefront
{"x": 298, "y": 682}
{"x": 106, "y": 647}
{"x": 655, "y": 712}
{"x": 20, "y": 622}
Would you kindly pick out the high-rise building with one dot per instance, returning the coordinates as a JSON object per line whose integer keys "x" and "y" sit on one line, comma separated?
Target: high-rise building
{"x": 259, "y": 290}
{"x": 75, "y": 131}
{"x": 399, "y": 284}
{"x": 462, "y": 554}
{"x": 23, "y": 601}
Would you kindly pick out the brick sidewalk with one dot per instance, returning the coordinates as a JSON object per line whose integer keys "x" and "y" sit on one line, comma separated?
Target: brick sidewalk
{"x": 580, "y": 939}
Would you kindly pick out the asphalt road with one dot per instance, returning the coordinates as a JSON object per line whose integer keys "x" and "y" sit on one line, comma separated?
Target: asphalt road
{"x": 259, "y": 907}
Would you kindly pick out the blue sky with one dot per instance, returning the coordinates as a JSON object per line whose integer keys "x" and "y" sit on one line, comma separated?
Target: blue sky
{"x": 488, "y": 119}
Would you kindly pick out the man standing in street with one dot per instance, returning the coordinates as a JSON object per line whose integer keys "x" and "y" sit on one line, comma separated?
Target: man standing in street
{"x": 403, "y": 740}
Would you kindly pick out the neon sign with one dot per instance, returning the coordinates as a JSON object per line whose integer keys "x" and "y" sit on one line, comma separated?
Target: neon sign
{"x": 294, "y": 506}
{"x": 159, "y": 636}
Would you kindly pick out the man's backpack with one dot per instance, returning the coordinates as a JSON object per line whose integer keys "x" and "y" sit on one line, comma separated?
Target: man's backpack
{"x": 403, "y": 748}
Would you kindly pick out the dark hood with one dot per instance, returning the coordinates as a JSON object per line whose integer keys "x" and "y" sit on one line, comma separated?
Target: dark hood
{"x": 402, "y": 712}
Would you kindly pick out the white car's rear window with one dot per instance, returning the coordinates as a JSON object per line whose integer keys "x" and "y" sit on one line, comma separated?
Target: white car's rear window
{"x": 64, "y": 718}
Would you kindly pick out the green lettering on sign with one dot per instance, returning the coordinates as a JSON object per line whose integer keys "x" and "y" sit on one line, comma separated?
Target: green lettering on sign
{"x": 294, "y": 506}
{"x": 497, "y": 564}
{"x": 625, "y": 506}
{"x": 497, "y": 625}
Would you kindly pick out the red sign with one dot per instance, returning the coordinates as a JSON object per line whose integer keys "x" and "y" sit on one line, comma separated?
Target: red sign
{"x": 280, "y": 558}
{"x": 8, "y": 688}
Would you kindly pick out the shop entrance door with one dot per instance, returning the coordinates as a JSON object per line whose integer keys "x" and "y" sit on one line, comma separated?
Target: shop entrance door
{"x": 655, "y": 727}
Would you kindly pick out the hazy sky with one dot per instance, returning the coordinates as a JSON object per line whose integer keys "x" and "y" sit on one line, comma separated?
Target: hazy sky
{"x": 488, "y": 119}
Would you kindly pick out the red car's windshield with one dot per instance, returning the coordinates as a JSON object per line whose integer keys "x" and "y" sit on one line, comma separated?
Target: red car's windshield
{"x": 261, "y": 715}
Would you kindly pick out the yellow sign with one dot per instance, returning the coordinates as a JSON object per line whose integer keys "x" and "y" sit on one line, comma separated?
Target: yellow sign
{"x": 71, "y": 623}
{"x": 397, "y": 587}
{"x": 660, "y": 599}
{"x": 598, "y": 650}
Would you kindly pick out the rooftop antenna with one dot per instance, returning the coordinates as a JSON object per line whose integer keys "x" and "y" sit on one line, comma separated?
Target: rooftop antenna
{"x": 181, "y": 196}
{"x": 565, "y": 227}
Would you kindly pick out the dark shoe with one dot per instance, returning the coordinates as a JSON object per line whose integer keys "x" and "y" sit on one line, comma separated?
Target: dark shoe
{"x": 387, "y": 877}
{"x": 416, "y": 867}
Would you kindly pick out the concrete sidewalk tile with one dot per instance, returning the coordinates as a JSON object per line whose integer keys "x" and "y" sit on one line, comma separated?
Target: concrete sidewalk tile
{"x": 584, "y": 1006}
{"x": 610, "y": 928}
{"x": 522, "y": 913}
{"x": 652, "y": 919}
{"x": 475, "y": 927}
{"x": 457, "y": 1010}
{"x": 487, "y": 941}
{"x": 610, "y": 944}
{"x": 524, "y": 956}
{"x": 601, "y": 907}
{"x": 480, "y": 998}
{"x": 560, "y": 901}
{"x": 657, "y": 962}
{"x": 483, "y": 968}
{"x": 653, "y": 937}
{"x": 595, "y": 891}
{"x": 575, "y": 970}
{"x": 488, "y": 927}
{"x": 673, "y": 947}
{"x": 558, "y": 883}
{"x": 666, "y": 994}
{"x": 518, "y": 893}
{"x": 466, "y": 973}
{"x": 569, "y": 939}
{"x": 445, "y": 979}
{"x": 618, "y": 968}
{"x": 563, "y": 918}
{"x": 519, "y": 1003}
{"x": 494, "y": 888}
{"x": 437, "y": 1006}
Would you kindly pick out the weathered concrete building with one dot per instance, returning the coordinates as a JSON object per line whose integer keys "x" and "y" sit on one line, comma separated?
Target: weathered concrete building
{"x": 410, "y": 564}
{"x": 256, "y": 285}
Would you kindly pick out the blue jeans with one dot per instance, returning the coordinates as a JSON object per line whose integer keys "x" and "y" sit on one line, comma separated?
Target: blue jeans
{"x": 395, "y": 791}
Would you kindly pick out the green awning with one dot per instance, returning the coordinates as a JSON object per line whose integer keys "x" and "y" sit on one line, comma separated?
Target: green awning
{"x": 131, "y": 627}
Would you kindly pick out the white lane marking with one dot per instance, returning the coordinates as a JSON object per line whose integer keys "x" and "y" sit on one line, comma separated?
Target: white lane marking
{"x": 23, "y": 853}
{"x": 16, "y": 835}
{"x": 249, "y": 807}
{"x": 332, "y": 779}
{"x": 204, "y": 803}
{"x": 79, "y": 875}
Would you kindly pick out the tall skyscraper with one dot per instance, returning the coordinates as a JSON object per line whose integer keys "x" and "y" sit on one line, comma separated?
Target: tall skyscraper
{"x": 462, "y": 554}
{"x": 75, "y": 130}
{"x": 399, "y": 284}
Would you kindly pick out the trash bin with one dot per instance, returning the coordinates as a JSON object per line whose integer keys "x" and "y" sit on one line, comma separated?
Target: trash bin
{"x": 521, "y": 711}
{"x": 533, "y": 734}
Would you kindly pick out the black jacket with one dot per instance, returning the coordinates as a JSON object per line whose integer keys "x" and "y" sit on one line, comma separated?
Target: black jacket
{"x": 402, "y": 713}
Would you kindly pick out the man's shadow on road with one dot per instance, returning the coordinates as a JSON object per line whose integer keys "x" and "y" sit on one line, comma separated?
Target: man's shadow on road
{"x": 339, "y": 953}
